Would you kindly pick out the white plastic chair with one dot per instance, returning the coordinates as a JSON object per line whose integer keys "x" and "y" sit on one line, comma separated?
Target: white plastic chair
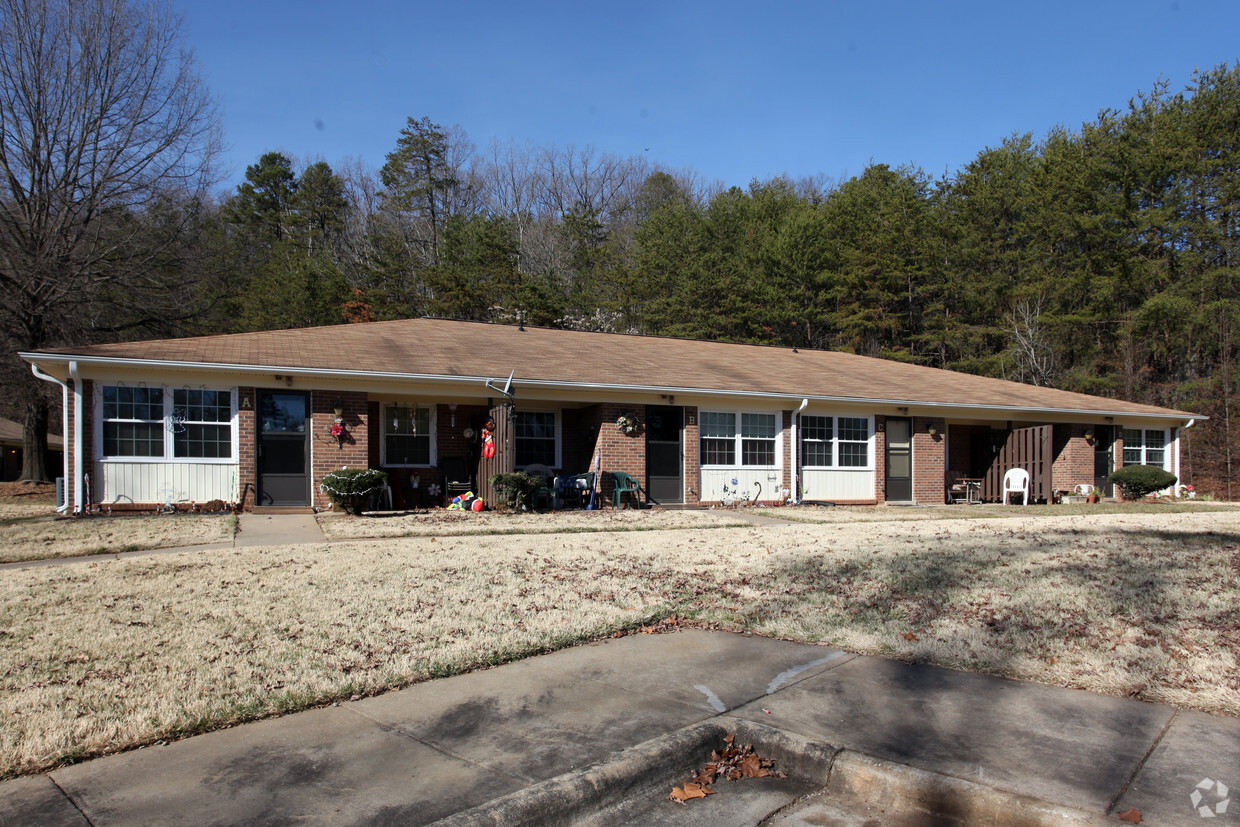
{"x": 1083, "y": 489}
{"x": 1014, "y": 481}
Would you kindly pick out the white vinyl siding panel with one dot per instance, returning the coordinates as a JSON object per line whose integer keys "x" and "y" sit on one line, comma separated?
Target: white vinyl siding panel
{"x": 161, "y": 482}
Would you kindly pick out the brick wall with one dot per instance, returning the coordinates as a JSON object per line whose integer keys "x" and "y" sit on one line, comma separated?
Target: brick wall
{"x": 329, "y": 455}
{"x": 1074, "y": 458}
{"x": 619, "y": 451}
{"x": 790, "y": 457}
{"x": 880, "y": 459}
{"x": 929, "y": 461}
{"x": 693, "y": 461}
{"x": 247, "y": 446}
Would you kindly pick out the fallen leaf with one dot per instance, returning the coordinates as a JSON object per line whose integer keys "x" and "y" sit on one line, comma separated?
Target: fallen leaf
{"x": 1132, "y": 816}
{"x": 690, "y": 790}
{"x": 751, "y": 767}
{"x": 909, "y": 636}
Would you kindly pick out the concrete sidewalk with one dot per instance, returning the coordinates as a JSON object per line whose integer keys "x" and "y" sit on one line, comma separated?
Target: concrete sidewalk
{"x": 598, "y": 733}
{"x": 252, "y": 530}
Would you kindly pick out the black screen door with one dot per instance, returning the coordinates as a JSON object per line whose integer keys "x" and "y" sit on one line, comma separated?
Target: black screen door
{"x": 665, "y": 480}
{"x": 283, "y": 455}
{"x": 1104, "y": 459}
{"x": 899, "y": 460}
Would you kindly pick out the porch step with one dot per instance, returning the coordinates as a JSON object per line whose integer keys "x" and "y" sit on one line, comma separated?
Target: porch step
{"x": 281, "y": 509}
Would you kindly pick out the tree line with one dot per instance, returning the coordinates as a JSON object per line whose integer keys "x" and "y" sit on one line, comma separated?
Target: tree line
{"x": 1099, "y": 259}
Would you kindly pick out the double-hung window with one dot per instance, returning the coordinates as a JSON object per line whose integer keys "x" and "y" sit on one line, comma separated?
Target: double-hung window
{"x": 535, "y": 436}
{"x": 201, "y": 424}
{"x": 725, "y": 437}
{"x": 718, "y": 438}
{"x": 407, "y": 435}
{"x": 835, "y": 442}
{"x": 1145, "y": 447}
{"x": 133, "y": 421}
{"x": 136, "y": 422}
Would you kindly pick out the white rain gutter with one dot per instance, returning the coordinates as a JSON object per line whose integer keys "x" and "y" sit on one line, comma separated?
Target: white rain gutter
{"x": 796, "y": 455}
{"x": 64, "y": 426}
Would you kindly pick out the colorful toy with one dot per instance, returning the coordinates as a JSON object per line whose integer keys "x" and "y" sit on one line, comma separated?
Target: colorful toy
{"x": 488, "y": 439}
{"x": 466, "y": 502}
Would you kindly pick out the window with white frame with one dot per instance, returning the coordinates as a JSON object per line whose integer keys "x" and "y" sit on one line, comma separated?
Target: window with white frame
{"x": 135, "y": 419}
{"x": 201, "y": 423}
{"x": 723, "y": 437}
{"x": 407, "y": 431}
{"x": 835, "y": 442}
{"x": 534, "y": 433}
{"x": 1145, "y": 447}
{"x": 717, "y": 434}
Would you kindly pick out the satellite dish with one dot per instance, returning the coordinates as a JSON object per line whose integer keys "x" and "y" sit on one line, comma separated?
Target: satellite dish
{"x": 507, "y": 389}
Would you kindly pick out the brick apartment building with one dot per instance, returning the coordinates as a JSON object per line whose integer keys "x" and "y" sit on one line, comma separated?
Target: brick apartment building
{"x": 261, "y": 417}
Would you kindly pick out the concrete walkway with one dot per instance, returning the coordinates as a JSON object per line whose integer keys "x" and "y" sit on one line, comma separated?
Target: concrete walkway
{"x": 252, "y": 530}
{"x": 277, "y": 530}
{"x": 597, "y": 734}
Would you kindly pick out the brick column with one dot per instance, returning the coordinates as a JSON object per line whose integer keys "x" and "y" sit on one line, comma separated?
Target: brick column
{"x": 247, "y": 447}
{"x": 880, "y": 459}
{"x": 929, "y": 461}
{"x": 693, "y": 466}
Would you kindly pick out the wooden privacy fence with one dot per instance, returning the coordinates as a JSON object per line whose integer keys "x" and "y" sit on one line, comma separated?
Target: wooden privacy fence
{"x": 505, "y": 459}
{"x": 1030, "y": 448}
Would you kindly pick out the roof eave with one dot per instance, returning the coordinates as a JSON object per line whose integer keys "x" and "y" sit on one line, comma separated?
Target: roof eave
{"x": 219, "y": 367}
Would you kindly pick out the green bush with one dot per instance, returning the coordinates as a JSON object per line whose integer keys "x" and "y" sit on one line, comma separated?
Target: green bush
{"x": 516, "y": 489}
{"x": 1137, "y": 481}
{"x": 353, "y": 489}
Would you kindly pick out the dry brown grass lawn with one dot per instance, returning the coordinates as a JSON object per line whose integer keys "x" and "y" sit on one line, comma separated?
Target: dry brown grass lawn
{"x": 38, "y": 539}
{"x": 114, "y": 654}
{"x": 30, "y": 528}
{"x": 19, "y": 500}
{"x": 441, "y": 523}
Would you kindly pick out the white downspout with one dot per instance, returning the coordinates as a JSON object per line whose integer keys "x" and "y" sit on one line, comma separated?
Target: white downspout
{"x": 1179, "y": 476}
{"x": 64, "y": 424}
{"x": 796, "y": 455}
{"x": 77, "y": 437}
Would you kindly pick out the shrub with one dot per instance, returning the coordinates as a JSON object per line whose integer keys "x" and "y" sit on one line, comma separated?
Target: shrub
{"x": 516, "y": 489}
{"x": 353, "y": 488}
{"x": 1137, "y": 481}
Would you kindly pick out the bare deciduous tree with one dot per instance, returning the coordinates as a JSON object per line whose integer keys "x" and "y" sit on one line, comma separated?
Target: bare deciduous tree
{"x": 103, "y": 123}
{"x": 1030, "y": 345}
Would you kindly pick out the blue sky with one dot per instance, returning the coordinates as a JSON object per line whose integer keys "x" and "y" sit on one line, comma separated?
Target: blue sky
{"x": 733, "y": 90}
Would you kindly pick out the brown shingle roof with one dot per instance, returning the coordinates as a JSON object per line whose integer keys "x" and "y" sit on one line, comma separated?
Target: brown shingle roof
{"x": 422, "y": 347}
{"x": 11, "y": 431}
